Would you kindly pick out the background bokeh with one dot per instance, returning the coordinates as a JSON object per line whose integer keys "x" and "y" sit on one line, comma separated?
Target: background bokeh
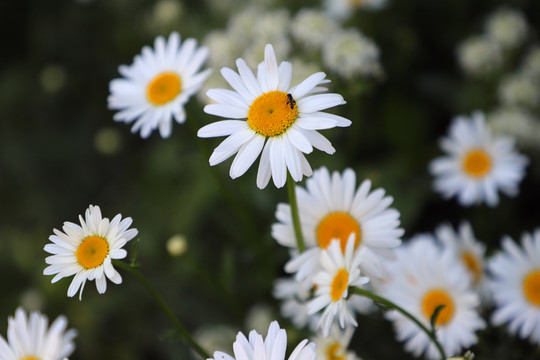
{"x": 61, "y": 151}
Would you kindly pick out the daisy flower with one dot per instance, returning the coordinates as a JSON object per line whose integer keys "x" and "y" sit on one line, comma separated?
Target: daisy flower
{"x": 515, "y": 285}
{"x": 29, "y": 338}
{"x": 339, "y": 271}
{"x": 334, "y": 347}
{"x": 294, "y": 296}
{"x": 273, "y": 347}
{"x": 425, "y": 277}
{"x": 330, "y": 208}
{"x": 155, "y": 88}
{"x": 267, "y": 115}
{"x": 477, "y": 163}
{"x": 86, "y": 251}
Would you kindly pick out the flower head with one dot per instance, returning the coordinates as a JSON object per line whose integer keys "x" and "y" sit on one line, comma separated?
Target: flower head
{"x": 29, "y": 337}
{"x": 269, "y": 116}
{"x": 86, "y": 251}
{"x": 478, "y": 164}
{"x": 156, "y": 86}
{"x": 515, "y": 285}
{"x": 272, "y": 347}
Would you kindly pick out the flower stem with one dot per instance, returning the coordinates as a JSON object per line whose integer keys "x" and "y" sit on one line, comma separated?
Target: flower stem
{"x": 388, "y": 303}
{"x": 294, "y": 210}
{"x": 157, "y": 298}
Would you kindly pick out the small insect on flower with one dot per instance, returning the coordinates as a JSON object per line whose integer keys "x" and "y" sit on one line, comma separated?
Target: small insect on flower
{"x": 290, "y": 101}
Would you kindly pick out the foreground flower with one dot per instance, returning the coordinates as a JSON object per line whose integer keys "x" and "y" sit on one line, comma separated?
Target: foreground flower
{"x": 158, "y": 84}
{"x": 335, "y": 346}
{"x": 288, "y": 117}
{"x": 331, "y": 208}
{"x": 273, "y": 347}
{"x": 339, "y": 271}
{"x": 425, "y": 277}
{"x": 29, "y": 338}
{"x": 477, "y": 163}
{"x": 516, "y": 286}
{"x": 86, "y": 250}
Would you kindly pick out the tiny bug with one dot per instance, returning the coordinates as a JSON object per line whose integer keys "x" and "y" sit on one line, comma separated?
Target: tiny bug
{"x": 290, "y": 101}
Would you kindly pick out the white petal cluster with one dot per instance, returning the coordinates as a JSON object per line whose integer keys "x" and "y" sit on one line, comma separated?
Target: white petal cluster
{"x": 479, "y": 55}
{"x": 507, "y": 27}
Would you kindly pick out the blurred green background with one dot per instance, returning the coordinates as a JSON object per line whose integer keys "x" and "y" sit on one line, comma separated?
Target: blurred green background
{"x": 61, "y": 151}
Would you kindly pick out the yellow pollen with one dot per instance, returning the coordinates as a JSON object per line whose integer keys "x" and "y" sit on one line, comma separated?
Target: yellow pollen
{"x": 335, "y": 352}
{"x": 477, "y": 163}
{"x": 434, "y": 299}
{"x": 531, "y": 287}
{"x": 92, "y": 252}
{"x": 338, "y": 225}
{"x": 30, "y": 358}
{"x": 163, "y": 88}
{"x": 339, "y": 284}
{"x": 272, "y": 113}
{"x": 472, "y": 265}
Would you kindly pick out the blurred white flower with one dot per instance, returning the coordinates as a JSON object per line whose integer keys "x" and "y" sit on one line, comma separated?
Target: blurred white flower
{"x": 349, "y": 54}
{"x": 507, "y": 27}
{"x": 477, "y": 164}
{"x": 479, "y": 55}
{"x": 214, "y": 337}
{"x": 312, "y": 27}
{"x": 335, "y": 345}
{"x": 531, "y": 63}
{"x": 344, "y": 9}
{"x": 30, "y": 337}
{"x": 519, "y": 90}
{"x": 177, "y": 245}
{"x": 258, "y": 317}
{"x": 516, "y": 122}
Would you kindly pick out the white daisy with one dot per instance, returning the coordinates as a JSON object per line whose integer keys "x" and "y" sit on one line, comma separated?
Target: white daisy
{"x": 477, "y": 163}
{"x": 294, "y": 296}
{"x": 466, "y": 248}
{"x": 273, "y": 347}
{"x": 30, "y": 338}
{"x": 156, "y": 86}
{"x": 288, "y": 117}
{"x": 423, "y": 278}
{"x": 515, "y": 285}
{"x": 334, "y": 347}
{"x": 339, "y": 271}
{"x": 330, "y": 209}
{"x": 86, "y": 251}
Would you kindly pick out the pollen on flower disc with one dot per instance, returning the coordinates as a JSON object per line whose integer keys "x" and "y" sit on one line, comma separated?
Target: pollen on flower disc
{"x": 477, "y": 163}
{"x": 92, "y": 252}
{"x": 163, "y": 88}
{"x": 338, "y": 225}
{"x": 334, "y": 351}
{"x": 339, "y": 284}
{"x": 531, "y": 287}
{"x": 434, "y": 299}
{"x": 272, "y": 113}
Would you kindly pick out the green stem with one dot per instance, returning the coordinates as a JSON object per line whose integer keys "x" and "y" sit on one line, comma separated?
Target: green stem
{"x": 388, "y": 303}
{"x": 294, "y": 210}
{"x": 157, "y": 298}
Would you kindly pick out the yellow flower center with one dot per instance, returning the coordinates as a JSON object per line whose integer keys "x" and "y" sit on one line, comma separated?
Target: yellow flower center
{"x": 531, "y": 287}
{"x": 338, "y": 225}
{"x": 473, "y": 265}
{"x": 92, "y": 252}
{"x": 335, "y": 352}
{"x": 30, "y": 358}
{"x": 339, "y": 284}
{"x": 435, "y": 298}
{"x": 163, "y": 88}
{"x": 272, "y": 113}
{"x": 477, "y": 163}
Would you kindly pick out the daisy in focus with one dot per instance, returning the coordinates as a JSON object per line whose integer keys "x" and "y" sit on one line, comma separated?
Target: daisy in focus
{"x": 467, "y": 249}
{"x": 272, "y": 347}
{"x": 515, "y": 285}
{"x": 425, "y": 277}
{"x": 30, "y": 338}
{"x": 86, "y": 251}
{"x": 477, "y": 164}
{"x": 332, "y": 208}
{"x": 155, "y": 88}
{"x": 266, "y": 115}
{"x": 339, "y": 271}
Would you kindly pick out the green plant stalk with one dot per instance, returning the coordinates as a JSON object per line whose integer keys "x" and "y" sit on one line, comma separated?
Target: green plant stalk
{"x": 159, "y": 301}
{"x": 388, "y": 303}
{"x": 294, "y": 210}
